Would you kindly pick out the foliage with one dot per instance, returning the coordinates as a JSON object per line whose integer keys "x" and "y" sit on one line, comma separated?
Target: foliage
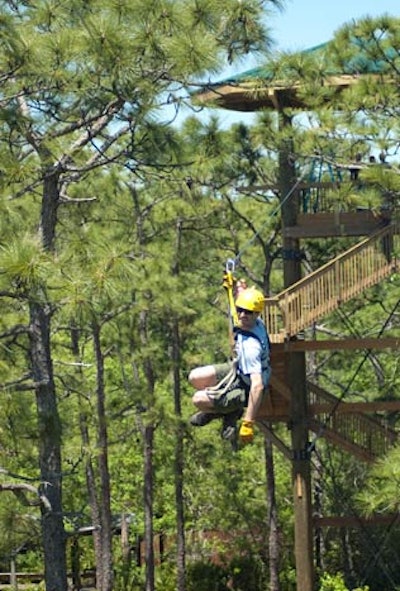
{"x": 146, "y": 217}
{"x": 336, "y": 583}
{"x": 203, "y": 576}
{"x": 379, "y": 494}
{"x": 241, "y": 573}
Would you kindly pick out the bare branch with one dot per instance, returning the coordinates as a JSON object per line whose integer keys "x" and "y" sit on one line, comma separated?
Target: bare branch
{"x": 15, "y": 330}
{"x": 90, "y": 133}
{"x": 21, "y": 489}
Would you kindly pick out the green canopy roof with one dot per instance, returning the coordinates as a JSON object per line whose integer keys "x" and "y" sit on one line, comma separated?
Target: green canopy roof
{"x": 261, "y": 88}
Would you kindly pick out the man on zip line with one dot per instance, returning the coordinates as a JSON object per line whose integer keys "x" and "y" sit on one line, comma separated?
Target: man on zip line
{"x": 229, "y": 390}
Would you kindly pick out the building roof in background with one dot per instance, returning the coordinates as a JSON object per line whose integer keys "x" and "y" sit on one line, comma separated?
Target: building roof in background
{"x": 258, "y": 88}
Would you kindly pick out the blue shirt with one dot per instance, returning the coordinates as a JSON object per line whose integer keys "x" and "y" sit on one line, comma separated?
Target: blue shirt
{"x": 252, "y": 349}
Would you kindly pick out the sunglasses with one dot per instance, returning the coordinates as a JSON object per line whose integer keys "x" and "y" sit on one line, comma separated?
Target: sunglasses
{"x": 243, "y": 311}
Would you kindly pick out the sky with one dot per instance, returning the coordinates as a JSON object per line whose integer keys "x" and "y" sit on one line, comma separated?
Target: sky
{"x": 306, "y": 23}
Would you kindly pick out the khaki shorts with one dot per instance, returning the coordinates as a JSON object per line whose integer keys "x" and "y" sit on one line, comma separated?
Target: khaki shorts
{"x": 236, "y": 395}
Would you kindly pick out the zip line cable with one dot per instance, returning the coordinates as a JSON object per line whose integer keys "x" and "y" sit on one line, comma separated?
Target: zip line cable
{"x": 330, "y": 162}
{"x": 376, "y": 557}
{"x": 231, "y": 263}
{"x": 272, "y": 214}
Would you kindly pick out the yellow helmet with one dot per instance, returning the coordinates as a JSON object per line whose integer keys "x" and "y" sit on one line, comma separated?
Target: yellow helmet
{"x": 250, "y": 299}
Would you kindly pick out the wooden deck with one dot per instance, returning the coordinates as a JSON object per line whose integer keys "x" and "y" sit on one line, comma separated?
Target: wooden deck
{"x": 335, "y": 224}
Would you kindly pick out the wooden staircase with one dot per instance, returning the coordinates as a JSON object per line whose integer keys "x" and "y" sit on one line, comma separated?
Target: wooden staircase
{"x": 321, "y": 292}
{"x": 363, "y": 436}
{"x": 297, "y": 308}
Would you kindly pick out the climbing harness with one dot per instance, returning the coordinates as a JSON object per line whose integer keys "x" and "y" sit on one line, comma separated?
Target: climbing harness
{"x": 226, "y": 383}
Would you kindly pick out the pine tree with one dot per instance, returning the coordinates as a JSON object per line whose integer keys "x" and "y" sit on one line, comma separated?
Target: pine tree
{"x": 79, "y": 80}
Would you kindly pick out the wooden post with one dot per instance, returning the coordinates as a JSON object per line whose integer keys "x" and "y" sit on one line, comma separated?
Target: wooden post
{"x": 296, "y": 378}
{"x": 13, "y": 575}
{"x": 301, "y": 474}
{"x": 76, "y": 563}
{"x": 125, "y": 548}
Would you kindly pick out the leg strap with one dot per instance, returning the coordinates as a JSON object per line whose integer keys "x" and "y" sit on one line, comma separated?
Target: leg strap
{"x": 223, "y": 386}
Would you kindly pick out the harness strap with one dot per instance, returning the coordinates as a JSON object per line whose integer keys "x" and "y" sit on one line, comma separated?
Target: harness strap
{"x": 228, "y": 284}
{"x": 223, "y": 386}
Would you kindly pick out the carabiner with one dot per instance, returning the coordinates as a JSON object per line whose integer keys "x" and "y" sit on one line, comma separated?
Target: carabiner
{"x": 230, "y": 266}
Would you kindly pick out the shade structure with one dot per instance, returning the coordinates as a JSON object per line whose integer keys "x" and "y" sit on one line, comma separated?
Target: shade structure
{"x": 265, "y": 88}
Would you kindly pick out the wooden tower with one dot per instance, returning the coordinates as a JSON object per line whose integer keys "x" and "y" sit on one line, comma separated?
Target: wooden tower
{"x": 293, "y": 399}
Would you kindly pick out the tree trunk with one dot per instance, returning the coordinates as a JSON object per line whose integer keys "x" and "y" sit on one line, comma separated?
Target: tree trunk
{"x": 179, "y": 451}
{"x": 49, "y": 430}
{"x": 93, "y": 503}
{"x": 273, "y": 545}
{"x": 148, "y": 437}
{"x": 49, "y": 426}
{"x": 89, "y": 469}
{"x": 179, "y": 462}
{"x": 148, "y": 507}
{"x": 106, "y": 562}
{"x": 99, "y": 495}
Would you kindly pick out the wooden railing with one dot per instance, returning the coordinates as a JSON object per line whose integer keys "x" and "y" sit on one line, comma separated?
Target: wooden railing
{"x": 322, "y": 291}
{"x": 360, "y": 434}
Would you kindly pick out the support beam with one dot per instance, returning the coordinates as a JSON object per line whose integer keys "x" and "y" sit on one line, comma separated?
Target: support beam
{"x": 355, "y": 407}
{"x": 295, "y": 370}
{"x": 269, "y": 434}
{"x": 354, "y": 521}
{"x": 338, "y": 344}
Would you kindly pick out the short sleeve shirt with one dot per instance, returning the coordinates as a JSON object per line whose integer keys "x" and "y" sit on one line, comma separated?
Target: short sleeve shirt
{"x": 249, "y": 353}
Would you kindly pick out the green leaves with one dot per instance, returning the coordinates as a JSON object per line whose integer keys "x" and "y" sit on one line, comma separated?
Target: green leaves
{"x": 381, "y": 493}
{"x": 25, "y": 265}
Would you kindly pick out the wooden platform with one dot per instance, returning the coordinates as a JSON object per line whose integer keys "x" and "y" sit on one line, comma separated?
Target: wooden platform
{"x": 331, "y": 224}
{"x": 252, "y": 95}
